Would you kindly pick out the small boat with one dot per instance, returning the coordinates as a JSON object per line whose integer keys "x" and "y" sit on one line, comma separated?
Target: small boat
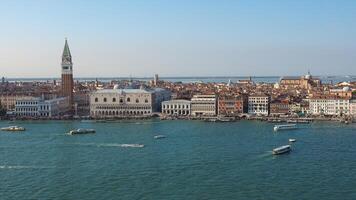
{"x": 13, "y": 128}
{"x": 284, "y": 127}
{"x": 303, "y": 122}
{"x": 292, "y": 140}
{"x": 211, "y": 120}
{"x": 224, "y": 119}
{"x": 133, "y": 145}
{"x": 159, "y": 136}
{"x": 281, "y": 150}
{"x": 81, "y": 131}
{"x": 292, "y": 121}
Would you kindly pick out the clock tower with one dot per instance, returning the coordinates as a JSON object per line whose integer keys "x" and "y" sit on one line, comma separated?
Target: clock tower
{"x": 67, "y": 73}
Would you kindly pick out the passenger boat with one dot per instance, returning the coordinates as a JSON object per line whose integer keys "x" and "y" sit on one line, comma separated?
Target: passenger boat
{"x": 81, "y": 131}
{"x": 281, "y": 150}
{"x": 13, "y": 128}
{"x": 159, "y": 136}
{"x": 284, "y": 127}
{"x": 292, "y": 140}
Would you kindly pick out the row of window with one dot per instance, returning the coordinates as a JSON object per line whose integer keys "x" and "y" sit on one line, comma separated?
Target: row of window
{"x": 32, "y": 114}
{"x": 117, "y": 113}
{"x": 121, "y": 100}
{"x": 177, "y": 112}
{"x": 203, "y": 103}
{"x": 26, "y": 103}
{"x": 26, "y": 109}
{"x": 122, "y": 108}
{"x": 175, "y": 106}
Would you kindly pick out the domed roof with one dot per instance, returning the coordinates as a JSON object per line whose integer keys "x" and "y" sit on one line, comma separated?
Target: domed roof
{"x": 346, "y": 89}
{"x": 116, "y": 86}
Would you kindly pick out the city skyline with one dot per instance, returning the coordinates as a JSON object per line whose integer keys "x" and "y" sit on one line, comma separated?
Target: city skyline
{"x": 140, "y": 39}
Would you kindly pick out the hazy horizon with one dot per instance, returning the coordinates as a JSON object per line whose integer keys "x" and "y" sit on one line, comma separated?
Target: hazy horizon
{"x": 178, "y": 38}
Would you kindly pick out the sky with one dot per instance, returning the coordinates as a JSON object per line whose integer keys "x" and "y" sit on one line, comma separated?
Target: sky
{"x": 140, "y": 38}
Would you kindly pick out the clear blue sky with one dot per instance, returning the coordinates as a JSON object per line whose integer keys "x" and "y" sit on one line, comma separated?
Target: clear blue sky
{"x": 178, "y": 38}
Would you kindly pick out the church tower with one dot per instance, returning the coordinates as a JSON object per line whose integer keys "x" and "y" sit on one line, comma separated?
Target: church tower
{"x": 67, "y": 73}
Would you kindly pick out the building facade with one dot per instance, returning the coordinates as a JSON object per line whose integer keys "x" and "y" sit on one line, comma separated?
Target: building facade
{"x": 353, "y": 107}
{"x": 204, "y": 105}
{"x": 37, "y": 107}
{"x": 329, "y": 106}
{"x": 232, "y": 105}
{"x": 279, "y": 108}
{"x": 126, "y": 102}
{"x": 67, "y": 73}
{"x": 344, "y": 92}
{"x": 258, "y": 104}
{"x": 8, "y": 101}
{"x": 176, "y": 107}
{"x": 304, "y": 82}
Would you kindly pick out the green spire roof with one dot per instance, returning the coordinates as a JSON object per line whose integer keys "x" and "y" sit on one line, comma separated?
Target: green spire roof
{"x": 66, "y": 52}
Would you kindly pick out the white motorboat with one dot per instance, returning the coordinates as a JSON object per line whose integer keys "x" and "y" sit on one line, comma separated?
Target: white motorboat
{"x": 292, "y": 140}
{"x": 81, "y": 131}
{"x": 13, "y": 128}
{"x": 159, "y": 136}
{"x": 284, "y": 127}
{"x": 281, "y": 150}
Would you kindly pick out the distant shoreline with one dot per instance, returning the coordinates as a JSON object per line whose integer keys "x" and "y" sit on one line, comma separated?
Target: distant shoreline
{"x": 268, "y": 79}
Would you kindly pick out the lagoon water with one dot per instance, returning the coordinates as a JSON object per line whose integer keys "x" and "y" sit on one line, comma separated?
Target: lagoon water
{"x": 197, "y": 160}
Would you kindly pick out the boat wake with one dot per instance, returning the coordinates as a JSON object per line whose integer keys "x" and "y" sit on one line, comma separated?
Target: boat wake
{"x": 266, "y": 154}
{"x": 112, "y": 145}
{"x": 122, "y": 145}
{"x": 25, "y": 167}
{"x": 133, "y": 145}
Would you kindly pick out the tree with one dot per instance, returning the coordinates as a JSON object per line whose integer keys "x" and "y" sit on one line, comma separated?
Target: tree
{"x": 2, "y": 111}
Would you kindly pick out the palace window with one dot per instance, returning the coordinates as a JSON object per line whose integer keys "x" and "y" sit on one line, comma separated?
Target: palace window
{"x": 128, "y": 99}
{"x": 105, "y": 99}
{"x": 96, "y": 99}
{"x": 137, "y": 101}
{"x": 113, "y": 99}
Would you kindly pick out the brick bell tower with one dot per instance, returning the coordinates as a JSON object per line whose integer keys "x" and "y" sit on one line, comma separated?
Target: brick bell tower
{"x": 67, "y": 73}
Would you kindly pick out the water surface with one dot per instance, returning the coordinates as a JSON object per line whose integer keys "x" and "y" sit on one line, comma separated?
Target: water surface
{"x": 197, "y": 160}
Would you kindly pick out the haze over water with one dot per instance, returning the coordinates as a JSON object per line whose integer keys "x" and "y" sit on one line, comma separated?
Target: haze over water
{"x": 197, "y": 160}
{"x": 206, "y": 79}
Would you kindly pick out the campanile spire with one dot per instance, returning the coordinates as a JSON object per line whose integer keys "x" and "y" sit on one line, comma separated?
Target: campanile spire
{"x": 67, "y": 73}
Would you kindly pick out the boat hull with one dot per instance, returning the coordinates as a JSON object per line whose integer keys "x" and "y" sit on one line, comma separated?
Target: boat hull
{"x": 281, "y": 150}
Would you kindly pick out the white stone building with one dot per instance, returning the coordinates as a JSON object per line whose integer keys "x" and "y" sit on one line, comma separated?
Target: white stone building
{"x": 258, "y": 104}
{"x": 176, "y": 107}
{"x": 126, "y": 102}
{"x": 54, "y": 107}
{"x": 37, "y": 107}
{"x": 329, "y": 106}
{"x": 204, "y": 105}
{"x": 353, "y": 107}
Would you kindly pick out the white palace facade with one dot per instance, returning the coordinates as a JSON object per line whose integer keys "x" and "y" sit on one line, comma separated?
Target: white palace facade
{"x": 126, "y": 102}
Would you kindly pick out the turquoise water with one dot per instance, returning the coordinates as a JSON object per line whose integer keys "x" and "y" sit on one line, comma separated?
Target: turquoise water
{"x": 197, "y": 160}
